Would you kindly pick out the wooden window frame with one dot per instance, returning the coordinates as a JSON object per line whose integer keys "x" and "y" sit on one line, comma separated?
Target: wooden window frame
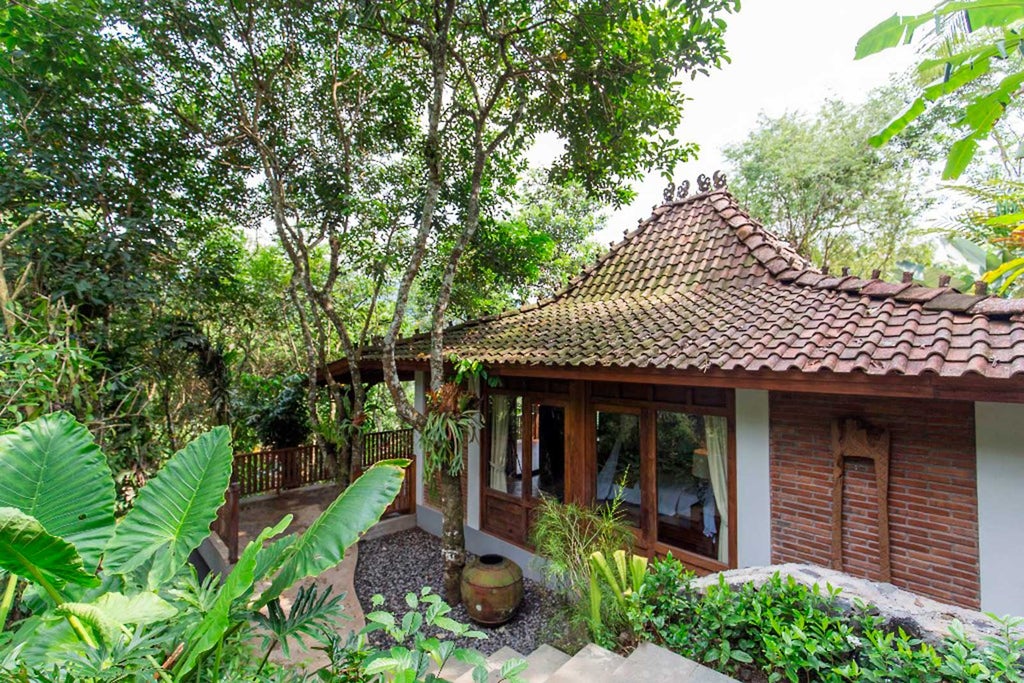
{"x": 527, "y": 502}
{"x": 647, "y": 534}
{"x": 581, "y": 461}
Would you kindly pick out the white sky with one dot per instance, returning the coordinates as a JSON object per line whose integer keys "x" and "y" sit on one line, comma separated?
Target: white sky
{"x": 787, "y": 55}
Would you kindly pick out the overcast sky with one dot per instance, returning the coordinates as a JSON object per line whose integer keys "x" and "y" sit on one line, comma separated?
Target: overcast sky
{"x": 787, "y": 55}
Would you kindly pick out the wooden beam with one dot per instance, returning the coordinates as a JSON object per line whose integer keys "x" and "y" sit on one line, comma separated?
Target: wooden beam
{"x": 971, "y": 388}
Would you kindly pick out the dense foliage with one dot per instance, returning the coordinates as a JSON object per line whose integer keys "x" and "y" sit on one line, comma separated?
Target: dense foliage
{"x": 118, "y": 601}
{"x": 969, "y": 76}
{"x": 817, "y": 183}
{"x": 786, "y": 631}
{"x": 567, "y": 536}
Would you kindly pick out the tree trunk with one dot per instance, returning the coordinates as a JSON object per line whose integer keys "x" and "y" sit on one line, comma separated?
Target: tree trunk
{"x": 453, "y": 541}
{"x": 356, "y": 447}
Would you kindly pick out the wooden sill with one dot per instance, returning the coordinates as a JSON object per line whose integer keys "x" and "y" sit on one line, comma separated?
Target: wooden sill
{"x": 701, "y": 565}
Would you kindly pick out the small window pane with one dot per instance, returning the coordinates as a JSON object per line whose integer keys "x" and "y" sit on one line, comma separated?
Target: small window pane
{"x": 692, "y": 483}
{"x": 549, "y": 451}
{"x": 506, "y": 463}
{"x": 618, "y": 462}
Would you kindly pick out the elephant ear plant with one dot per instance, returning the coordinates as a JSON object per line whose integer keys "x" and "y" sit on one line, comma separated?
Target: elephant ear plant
{"x": 105, "y": 595}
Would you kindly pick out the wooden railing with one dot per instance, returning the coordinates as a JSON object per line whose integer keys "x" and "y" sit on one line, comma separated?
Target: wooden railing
{"x": 289, "y": 468}
{"x": 379, "y": 446}
{"x": 284, "y": 468}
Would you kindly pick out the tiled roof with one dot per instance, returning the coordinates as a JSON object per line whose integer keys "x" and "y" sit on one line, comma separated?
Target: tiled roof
{"x": 700, "y": 285}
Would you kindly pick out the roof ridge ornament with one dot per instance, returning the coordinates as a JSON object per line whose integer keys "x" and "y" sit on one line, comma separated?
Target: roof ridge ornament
{"x": 674, "y": 193}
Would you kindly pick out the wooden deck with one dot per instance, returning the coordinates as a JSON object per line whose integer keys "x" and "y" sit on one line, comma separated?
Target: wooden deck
{"x": 293, "y": 469}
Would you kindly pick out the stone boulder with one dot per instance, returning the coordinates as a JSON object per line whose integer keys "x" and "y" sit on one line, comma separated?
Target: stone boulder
{"x": 919, "y": 616}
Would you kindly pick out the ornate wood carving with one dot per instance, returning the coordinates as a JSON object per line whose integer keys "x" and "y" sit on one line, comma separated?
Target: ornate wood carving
{"x": 853, "y": 439}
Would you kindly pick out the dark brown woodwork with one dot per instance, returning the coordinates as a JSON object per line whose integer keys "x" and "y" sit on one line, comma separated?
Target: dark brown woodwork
{"x": 227, "y": 522}
{"x": 968, "y": 388}
{"x": 577, "y": 466}
{"x": 648, "y": 476}
{"x": 272, "y": 471}
{"x": 852, "y": 439}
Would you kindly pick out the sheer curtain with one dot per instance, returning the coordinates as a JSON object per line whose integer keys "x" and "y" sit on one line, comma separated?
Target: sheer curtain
{"x": 716, "y": 431}
{"x": 500, "y": 414}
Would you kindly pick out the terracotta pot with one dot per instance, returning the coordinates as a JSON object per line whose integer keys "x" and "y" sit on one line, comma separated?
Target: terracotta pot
{"x": 492, "y": 588}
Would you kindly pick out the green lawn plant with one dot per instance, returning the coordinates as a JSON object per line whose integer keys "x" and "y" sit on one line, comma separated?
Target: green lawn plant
{"x": 113, "y": 600}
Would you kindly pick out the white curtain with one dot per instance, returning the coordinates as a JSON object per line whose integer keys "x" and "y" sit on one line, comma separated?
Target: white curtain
{"x": 500, "y": 415}
{"x": 716, "y": 431}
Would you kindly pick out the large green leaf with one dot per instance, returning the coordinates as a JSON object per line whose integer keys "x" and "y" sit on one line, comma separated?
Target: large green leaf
{"x": 960, "y": 155}
{"x": 217, "y": 621}
{"x": 26, "y": 549}
{"x": 139, "y": 608}
{"x": 899, "y": 30}
{"x": 323, "y": 544}
{"x": 103, "y": 625}
{"x": 175, "y": 509}
{"x": 51, "y": 470}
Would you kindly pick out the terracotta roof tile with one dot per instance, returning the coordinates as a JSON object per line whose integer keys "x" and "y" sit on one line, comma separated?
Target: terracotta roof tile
{"x": 700, "y": 285}
{"x": 920, "y": 294}
{"x": 881, "y": 290}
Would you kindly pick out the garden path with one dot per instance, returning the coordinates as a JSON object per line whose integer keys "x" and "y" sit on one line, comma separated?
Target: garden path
{"x": 306, "y": 505}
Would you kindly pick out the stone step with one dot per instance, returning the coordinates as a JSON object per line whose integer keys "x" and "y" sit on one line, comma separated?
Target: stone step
{"x": 453, "y": 668}
{"x": 649, "y": 662}
{"x": 591, "y": 664}
{"x": 494, "y": 663}
{"x": 543, "y": 662}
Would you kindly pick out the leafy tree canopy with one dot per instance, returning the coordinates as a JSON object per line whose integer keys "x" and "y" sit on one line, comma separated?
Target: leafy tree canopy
{"x": 819, "y": 185}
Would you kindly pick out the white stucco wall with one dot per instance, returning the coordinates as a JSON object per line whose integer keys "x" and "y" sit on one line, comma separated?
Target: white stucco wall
{"x": 473, "y": 472}
{"x": 420, "y": 401}
{"x": 481, "y": 543}
{"x": 1000, "y": 447}
{"x": 753, "y": 484}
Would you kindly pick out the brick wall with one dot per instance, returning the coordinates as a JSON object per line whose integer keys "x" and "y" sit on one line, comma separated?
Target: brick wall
{"x": 933, "y": 509}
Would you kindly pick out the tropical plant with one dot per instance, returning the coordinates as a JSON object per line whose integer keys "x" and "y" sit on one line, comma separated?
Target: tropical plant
{"x": 96, "y": 587}
{"x": 990, "y": 235}
{"x": 621, "y": 577}
{"x": 566, "y": 535}
{"x": 452, "y": 421}
{"x": 958, "y": 69}
{"x": 414, "y": 655}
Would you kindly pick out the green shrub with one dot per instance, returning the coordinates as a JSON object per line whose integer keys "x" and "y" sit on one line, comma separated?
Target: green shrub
{"x": 788, "y": 631}
{"x": 416, "y": 656}
{"x": 566, "y": 536}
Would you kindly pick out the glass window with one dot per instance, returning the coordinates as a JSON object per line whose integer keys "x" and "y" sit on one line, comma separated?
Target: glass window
{"x": 618, "y": 462}
{"x": 548, "y": 453}
{"x": 692, "y": 483}
{"x": 505, "y": 473}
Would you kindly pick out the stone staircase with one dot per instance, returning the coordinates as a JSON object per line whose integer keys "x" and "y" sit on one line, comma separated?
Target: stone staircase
{"x": 593, "y": 664}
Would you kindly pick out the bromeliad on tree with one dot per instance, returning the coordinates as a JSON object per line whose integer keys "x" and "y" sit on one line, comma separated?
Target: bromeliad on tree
{"x": 450, "y": 425}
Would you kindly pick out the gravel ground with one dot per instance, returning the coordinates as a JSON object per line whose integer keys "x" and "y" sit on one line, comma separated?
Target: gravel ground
{"x": 408, "y": 560}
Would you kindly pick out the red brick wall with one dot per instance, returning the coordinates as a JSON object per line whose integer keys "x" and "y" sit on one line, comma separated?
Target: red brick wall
{"x": 933, "y": 507}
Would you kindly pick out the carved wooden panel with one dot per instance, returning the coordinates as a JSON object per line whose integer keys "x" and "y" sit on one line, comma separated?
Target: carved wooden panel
{"x": 853, "y": 439}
